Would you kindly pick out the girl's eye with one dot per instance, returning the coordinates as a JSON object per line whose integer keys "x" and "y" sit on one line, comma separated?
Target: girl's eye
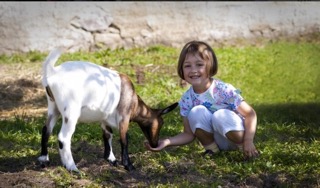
{"x": 200, "y": 64}
{"x": 186, "y": 66}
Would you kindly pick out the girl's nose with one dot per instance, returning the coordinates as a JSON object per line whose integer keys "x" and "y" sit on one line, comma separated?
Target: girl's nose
{"x": 193, "y": 69}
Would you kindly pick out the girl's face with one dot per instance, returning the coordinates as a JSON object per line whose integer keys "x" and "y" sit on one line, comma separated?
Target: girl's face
{"x": 194, "y": 72}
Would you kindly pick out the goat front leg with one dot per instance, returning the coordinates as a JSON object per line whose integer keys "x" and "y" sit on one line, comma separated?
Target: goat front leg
{"x": 124, "y": 146}
{"x": 107, "y": 138}
{"x": 52, "y": 118}
{"x": 64, "y": 139}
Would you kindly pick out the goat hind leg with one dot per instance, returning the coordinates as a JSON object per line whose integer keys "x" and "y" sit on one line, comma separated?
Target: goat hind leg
{"x": 52, "y": 118}
{"x": 107, "y": 138}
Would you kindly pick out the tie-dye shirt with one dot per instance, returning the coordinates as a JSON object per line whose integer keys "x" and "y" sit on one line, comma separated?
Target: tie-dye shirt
{"x": 222, "y": 96}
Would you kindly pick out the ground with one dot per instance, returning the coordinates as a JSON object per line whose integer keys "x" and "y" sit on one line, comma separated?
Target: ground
{"x": 21, "y": 91}
{"x": 19, "y": 86}
{"x": 21, "y": 94}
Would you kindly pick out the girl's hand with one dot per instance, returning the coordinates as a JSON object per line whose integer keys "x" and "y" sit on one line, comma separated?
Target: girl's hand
{"x": 250, "y": 150}
{"x": 161, "y": 144}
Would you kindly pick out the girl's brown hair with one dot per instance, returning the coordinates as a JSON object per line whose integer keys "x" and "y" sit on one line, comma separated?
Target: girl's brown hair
{"x": 204, "y": 51}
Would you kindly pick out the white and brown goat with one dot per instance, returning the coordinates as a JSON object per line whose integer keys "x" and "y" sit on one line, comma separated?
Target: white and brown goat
{"x": 85, "y": 92}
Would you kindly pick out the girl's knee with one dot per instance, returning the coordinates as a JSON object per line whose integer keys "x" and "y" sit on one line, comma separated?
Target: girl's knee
{"x": 220, "y": 116}
{"x": 200, "y": 117}
{"x": 225, "y": 116}
{"x": 197, "y": 113}
{"x": 222, "y": 112}
{"x": 197, "y": 110}
{"x": 225, "y": 120}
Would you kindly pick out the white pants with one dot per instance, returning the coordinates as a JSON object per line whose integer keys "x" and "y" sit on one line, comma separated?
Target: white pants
{"x": 219, "y": 123}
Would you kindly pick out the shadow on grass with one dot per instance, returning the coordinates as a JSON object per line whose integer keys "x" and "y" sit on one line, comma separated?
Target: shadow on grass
{"x": 9, "y": 164}
{"x": 288, "y": 122}
{"x": 20, "y": 92}
{"x": 85, "y": 155}
{"x": 306, "y": 113}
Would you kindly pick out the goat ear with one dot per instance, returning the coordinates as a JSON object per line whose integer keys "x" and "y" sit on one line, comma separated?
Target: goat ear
{"x": 169, "y": 108}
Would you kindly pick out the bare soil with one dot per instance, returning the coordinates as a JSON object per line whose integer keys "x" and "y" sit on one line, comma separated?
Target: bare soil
{"x": 21, "y": 91}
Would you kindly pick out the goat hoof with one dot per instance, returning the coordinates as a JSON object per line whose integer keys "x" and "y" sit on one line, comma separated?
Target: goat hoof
{"x": 129, "y": 168}
{"x": 113, "y": 163}
{"x": 44, "y": 161}
{"x": 76, "y": 171}
{"x": 71, "y": 168}
{"x": 44, "y": 164}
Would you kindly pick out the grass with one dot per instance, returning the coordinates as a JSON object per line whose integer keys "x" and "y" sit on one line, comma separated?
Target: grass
{"x": 280, "y": 80}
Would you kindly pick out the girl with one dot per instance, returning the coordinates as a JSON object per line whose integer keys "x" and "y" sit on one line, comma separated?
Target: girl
{"x": 213, "y": 111}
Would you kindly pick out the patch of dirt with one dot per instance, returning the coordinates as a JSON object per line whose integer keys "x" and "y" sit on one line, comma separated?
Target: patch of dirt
{"x": 26, "y": 178}
{"x": 21, "y": 92}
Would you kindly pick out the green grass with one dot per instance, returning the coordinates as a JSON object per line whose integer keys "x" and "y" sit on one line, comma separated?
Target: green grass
{"x": 280, "y": 80}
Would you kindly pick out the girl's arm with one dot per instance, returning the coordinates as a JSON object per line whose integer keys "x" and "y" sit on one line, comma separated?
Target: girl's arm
{"x": 250, "y": 124}
{"x": 181, "y": 139}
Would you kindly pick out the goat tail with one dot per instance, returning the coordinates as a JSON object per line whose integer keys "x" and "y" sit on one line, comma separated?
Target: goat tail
{"x": 48, "y": 65}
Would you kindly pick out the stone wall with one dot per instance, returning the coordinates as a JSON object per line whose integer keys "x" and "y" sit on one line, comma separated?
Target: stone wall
{"x": 28, "y": 26}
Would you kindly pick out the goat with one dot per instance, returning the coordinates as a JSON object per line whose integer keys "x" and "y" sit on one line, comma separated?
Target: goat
{"x": 85, "y": 92}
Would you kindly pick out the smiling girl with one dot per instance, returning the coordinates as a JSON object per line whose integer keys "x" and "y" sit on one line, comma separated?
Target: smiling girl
{"x": 213, "y": 111}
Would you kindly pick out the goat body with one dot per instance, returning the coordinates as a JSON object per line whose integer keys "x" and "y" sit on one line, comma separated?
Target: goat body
{"x": 85, "y": 92}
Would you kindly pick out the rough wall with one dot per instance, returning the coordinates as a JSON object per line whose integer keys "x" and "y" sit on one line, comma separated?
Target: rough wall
{"x": 26, "y": 26}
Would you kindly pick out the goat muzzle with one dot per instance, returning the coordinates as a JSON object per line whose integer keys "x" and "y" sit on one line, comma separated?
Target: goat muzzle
{"x": 154, "y": 145}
